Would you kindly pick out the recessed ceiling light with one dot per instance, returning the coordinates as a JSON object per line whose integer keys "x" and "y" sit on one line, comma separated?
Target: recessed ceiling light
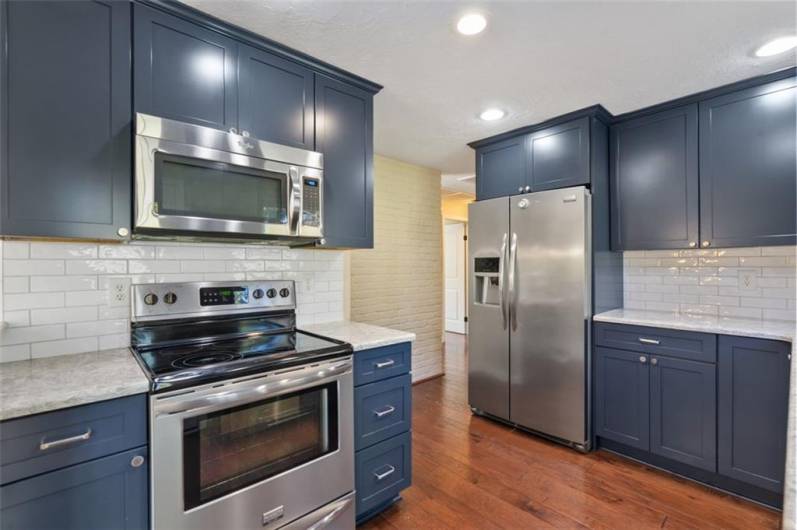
{"x": 492, "y": 114}
{"x": 776, "y": 46}
{"x": 471, "y": 24}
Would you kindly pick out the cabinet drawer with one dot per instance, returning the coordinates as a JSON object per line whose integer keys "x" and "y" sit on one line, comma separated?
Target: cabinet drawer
{"x": 674, "y": 343}
{"x": 382, "y": 410}
{"x": 383, "y": 471}
{"x": 381, "y": 363}
{"x": 44, "y": 442}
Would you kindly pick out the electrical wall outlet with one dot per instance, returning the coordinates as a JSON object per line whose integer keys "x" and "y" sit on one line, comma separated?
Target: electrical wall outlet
{"x": 119, "y": 292}
{"x": 748, "y": 280}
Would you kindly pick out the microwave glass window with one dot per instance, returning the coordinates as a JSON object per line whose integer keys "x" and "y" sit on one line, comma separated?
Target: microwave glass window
{"x": 228, "y": 450}
{"x": 200, "y": 188}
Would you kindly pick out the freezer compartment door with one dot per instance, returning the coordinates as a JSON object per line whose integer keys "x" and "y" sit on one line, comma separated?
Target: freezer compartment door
{"x": 488, "y": 334}
{"x": 549, "y": 284}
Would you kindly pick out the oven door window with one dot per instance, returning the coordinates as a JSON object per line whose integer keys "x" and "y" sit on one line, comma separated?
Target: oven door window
{"x": 228, "y": 450}
{"x": 194, "y": 187}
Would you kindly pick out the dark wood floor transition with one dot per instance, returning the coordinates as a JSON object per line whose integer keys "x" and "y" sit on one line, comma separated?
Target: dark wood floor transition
{"x": 469, "y": 472}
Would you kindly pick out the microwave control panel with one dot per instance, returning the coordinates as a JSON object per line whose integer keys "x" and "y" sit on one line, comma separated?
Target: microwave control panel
{"x": 311, "y": 202}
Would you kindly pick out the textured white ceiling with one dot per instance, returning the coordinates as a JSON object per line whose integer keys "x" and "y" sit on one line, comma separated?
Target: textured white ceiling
{"x": 535, "y": 59}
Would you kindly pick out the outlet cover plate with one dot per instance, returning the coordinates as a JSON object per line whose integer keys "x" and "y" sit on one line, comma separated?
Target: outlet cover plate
{"x": 748, "y": 280}
{"x": 119, "y": 292}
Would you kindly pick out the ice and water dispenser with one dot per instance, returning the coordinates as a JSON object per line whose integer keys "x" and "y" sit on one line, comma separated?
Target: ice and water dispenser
{"x": 487, "y": 272}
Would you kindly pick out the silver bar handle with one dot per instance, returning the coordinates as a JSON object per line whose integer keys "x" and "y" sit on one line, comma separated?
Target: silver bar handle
{"x": 295, "y": 200}
{"x": 512, "y": 280}
{"x": 382, "y": 476}
{"x": 44, "y": 446}
{"x": 643, "y": 340}
{"x": 501, "y": 282}
{"x": 385, "y": 412}
{"x": 331, "y": 516}
{"x": 385, "y": 364}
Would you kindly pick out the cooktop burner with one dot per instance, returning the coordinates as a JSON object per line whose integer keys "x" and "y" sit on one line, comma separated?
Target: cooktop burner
{"x": 201, "y": 359}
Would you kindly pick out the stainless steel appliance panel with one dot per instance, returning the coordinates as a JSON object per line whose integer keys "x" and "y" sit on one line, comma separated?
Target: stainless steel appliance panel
{"x": 337, "y": 515}
{"x": 488, "y": 338}
{"x": 549, "y": 299}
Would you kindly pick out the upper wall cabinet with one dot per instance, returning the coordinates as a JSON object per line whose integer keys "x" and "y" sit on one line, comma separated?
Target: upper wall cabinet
{"x": 183, "y": 71}
{"x": 748, "y": 167}
{"x": 501, "y": 169}
{"x": 654, "y": 180}
{"x": 65, "y": 162}
{"x": 275, "y": 98}
{"x": 344, "y": 134}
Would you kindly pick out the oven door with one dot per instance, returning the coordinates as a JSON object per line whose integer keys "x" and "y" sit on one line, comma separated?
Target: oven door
{"x": 190, "y": 188}
{"x": 256, "y": 453}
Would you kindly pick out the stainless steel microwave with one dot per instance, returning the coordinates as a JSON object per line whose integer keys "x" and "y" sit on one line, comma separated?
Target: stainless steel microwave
{"x": 199, "y": 183}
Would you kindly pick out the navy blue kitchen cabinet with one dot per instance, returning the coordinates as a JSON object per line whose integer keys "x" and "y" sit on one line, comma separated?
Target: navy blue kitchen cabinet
{"x": 383, "y": 427}
{"x": 501, "y": 169}
{"x": 344, "y": 134}
{"x": 622, "y": 397}
{"x": 276, "y": 99}
{"x": 748, "y": 167}
{"x": 78, "y": 468}
{"x": 65, "y": 154}
{"x": 654, "y": 181}
{"x": 184, "y": 71}
{"x": 753, "y": 410}
{"x": 559, "y": 156}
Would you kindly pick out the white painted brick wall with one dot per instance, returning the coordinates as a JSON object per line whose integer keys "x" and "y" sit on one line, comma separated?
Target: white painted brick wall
{"x": 711, "y": 281}
{"x": 54, "y": 296}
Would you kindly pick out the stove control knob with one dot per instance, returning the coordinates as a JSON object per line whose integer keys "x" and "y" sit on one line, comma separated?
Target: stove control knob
{"x": 150, "y": 298}
{"x": 258, "y": 294}
{"x": 284, "y": 293}
{"x": 271, "y": 293}
{"x": 170, "y": 298}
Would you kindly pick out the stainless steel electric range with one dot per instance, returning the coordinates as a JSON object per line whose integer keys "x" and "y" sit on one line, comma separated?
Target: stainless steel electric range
{"x": 251, "y": 420}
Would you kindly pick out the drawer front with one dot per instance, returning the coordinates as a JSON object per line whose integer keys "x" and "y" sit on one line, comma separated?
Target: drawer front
{"x": 383, "y": 471}
{"x": 381, "y": 363}
{"x": 44, "y": 442}
{"x": 674, "y": 343}
{"x": 382, "y": 410}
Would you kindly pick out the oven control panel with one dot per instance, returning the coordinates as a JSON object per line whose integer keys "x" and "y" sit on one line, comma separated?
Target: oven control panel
{"x": 311, "y": 202}
{"x": 176, "y": 300}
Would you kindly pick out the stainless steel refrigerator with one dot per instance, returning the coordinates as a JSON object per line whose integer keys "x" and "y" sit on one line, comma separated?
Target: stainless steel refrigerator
{"x": 529, "y": 311}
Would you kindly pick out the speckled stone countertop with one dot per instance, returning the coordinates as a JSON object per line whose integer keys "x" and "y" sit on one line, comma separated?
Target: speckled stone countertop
{"x": 42, "y": 385}
{"x": 360, "y": 336}
{"x": 763, "y": 329}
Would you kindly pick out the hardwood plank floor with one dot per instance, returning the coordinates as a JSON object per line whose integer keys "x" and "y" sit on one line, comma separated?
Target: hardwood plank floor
{"x": 469, "y": 472}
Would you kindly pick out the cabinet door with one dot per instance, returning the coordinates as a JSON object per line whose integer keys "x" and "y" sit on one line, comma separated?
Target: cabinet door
{"x": 501, "y": 169}
{"x": 65, "y": 163}
{"x": 655, "y": 181}
{"x": 101, "y": 494}
{"x": 183, "y": 71}
{"x": 753, "y": 410}
{"x": 683, "y": 406}
{"x": 622, "y": 386}
{"x": 275, "y": 98}
{"x": 344, "y": 134}
{"x": 559, "y": 156}
{"x": 748, "y": 167}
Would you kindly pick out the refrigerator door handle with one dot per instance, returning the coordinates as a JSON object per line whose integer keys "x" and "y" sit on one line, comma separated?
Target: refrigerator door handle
{"x": 501, "y": 282}
{"x": 512, "y": 280}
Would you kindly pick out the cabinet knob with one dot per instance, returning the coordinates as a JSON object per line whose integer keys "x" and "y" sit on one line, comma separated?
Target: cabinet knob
{"x": 527, "y": 189}
{"x": 123, "y": 232}
{"x": 706, "y": 243}
{"x": 692, "y": 244}
{"x": 643, "y": 359}
{"x": 520, "y": 189}
{"x": 233, "y": 130}
{"x": 654, "y": 361}
{"x": 137, "y": 461}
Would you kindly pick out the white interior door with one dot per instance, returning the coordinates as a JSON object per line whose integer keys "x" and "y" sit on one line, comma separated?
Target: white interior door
{"x": 454, "y": 256}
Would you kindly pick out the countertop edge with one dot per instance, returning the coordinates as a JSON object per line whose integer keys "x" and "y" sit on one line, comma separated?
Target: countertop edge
{"x": 359, "y": 335}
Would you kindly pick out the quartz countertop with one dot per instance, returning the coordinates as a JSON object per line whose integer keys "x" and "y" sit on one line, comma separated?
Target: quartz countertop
{"x": 42, "y": 385}
{"x": 764, "y": 329}
{"x": 360, "y": 336}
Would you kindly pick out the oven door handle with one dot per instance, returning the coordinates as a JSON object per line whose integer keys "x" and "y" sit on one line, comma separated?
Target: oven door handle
{"x": 241, "y": 393}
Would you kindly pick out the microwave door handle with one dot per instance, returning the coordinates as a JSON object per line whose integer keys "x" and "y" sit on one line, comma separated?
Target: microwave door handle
{"x": 294, "y": 200}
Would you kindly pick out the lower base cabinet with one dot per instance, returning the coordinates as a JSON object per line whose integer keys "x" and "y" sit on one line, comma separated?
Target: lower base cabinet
{"x": 711, "y": 408}
{"x": 383, "y": 427}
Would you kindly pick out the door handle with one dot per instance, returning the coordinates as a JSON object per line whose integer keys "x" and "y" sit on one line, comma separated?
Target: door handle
{"x": 294, "y": 200}
{"x": 513, "y": 281}
{"x": 331, "y": 516}
{"x": 501, "y": 282}
{"x": 654, "y": 342}
{"x": 385, "y": 364}
{"x": 385, "y": 412}
{"x": 382, "y": 476}
{"x": 44, "y": 446}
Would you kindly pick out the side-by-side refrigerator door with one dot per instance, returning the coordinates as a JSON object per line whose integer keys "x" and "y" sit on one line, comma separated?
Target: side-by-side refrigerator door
{"x": 488, "y": 316}
{"x": 549, "y": 292}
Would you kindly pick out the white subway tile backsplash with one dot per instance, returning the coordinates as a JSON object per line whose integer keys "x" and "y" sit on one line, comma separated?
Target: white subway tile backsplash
{"x": 55, "y": 295}
{"x": 709, "y": 281}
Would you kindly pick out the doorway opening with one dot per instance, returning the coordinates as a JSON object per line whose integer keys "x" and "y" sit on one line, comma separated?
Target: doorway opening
{"x": 455, "y": 276}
